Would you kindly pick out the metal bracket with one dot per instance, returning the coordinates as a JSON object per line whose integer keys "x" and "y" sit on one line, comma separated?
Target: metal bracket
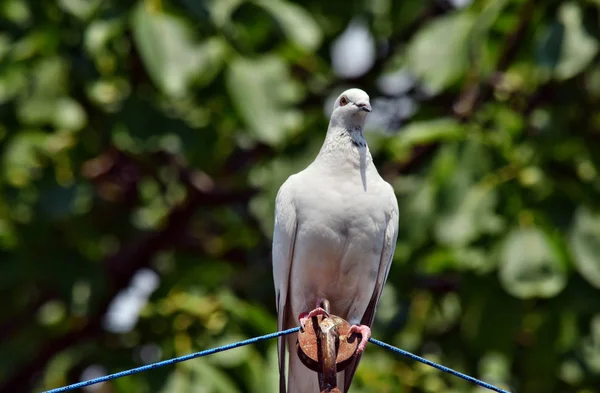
{"x": 326, "y": 346}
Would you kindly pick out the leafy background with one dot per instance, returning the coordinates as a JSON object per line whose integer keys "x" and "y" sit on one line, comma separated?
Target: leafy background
{"x": 142, "y": 144}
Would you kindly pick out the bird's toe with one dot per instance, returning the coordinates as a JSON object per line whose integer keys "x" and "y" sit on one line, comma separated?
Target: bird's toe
{"x": 365, "y": 333}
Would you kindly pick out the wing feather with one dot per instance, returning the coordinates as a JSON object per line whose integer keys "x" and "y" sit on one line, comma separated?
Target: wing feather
{"x": 284, "y": 239}
{"x": 385, "y": 262}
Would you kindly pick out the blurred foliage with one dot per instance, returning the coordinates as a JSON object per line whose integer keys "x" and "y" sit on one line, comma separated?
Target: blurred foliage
{"x": 142, "y": 144}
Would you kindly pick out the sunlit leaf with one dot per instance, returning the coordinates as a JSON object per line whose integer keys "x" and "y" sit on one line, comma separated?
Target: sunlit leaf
{"x": 16, "y": 11}
{"x": 296, "y": 22}
{"x": 231, "y": 358}
{"x": 479, "y": 37}
{"x": 266, "y": 110}
{"x": 221, "y": 10}
{"x": 264, "y": 373}
{"x": 99, "y": 33}
{"x": 82, "y": 9}
{"x": 417, "y": 206}
{"x": 578, "y": 47}
{"x": 469, "y": 218}
{"x": 178, "y": 381}
{"x": 210, "y": 379}
{"x": 68, "y": 114}
{"x": 466, "y": 205}
{"x": 438, "y": 53}
{"x": 58, "y": 368}
{"x": 584, "y": 240}
{"x": 530, "y": 266}
{"x": 173, "y": 57}
{"x": 424, "y": 132}
{"x": 22, "y": 158}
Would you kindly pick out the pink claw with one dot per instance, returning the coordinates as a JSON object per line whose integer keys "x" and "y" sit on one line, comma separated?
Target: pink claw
{"x": 302, "y": 318}
{"x": 365, "y": 332}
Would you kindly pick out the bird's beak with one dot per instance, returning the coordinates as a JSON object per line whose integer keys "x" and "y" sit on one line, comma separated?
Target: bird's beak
{"x": 365, "y": 106}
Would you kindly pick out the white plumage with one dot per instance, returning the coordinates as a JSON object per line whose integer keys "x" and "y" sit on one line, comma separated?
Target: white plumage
{"x": 336, "y": 225}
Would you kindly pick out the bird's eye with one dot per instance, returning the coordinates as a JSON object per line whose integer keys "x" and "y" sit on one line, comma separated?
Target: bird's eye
{"x": 343, "y": 101}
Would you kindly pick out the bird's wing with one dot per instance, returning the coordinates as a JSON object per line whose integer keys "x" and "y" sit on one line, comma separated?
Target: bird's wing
{"x": 387, "y": 253}
{"x": 284, "y": 238}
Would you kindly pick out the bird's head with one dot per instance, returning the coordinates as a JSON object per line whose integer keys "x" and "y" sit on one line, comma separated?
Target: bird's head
{"x": 351, "y": 108}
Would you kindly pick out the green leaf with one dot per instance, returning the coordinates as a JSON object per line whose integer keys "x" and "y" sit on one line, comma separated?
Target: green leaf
{"x": 298, "y": 25}
{"x": 57, "y": 369}
{"x": 423, "y": 132}
{"x": 263, "y": 92}
{"x": 466, "y": 220}
{"x": 584, "y": 240}
{"x": 22, "y": 158}
{"x": 465, "y": 204}
{"x": 198, "y": 376}
{"x": 177, "y": 381}
{"x": 63, "y": 113}
{"x": 221, "y": 10}
{"x": 209, "y": 379}
{"x": 479, "y": 35}
{"x": 418, "y": 208}
{"x": 474, "y": 259}
{"x": 82, "y": 9}
{"x": 13, "y": 81}
{"x": 17, "y": 12}
{"x": 530, "y": 266}
{"x": 263, "y": 374}
{"x": 427, "y": 131}
{"x": 68, "y": 114}
{"x": 100, "y": 33}
{"x": 173, "y": 57}
{"x": 578, "y": 47}
{"x": 438, "y": 53}
{"x": 457, "y": 259}
{"x": 231, "y": 358}
{"x": 8, "y": 235}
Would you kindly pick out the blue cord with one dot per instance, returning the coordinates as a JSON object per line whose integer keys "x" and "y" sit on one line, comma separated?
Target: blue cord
{"x": 255, "y": 340}
{"x": 438, "y": 366}
{"x": 172, "y": 361}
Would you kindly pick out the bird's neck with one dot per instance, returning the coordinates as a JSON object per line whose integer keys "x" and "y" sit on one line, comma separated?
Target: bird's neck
{"x": 345, "y": 145}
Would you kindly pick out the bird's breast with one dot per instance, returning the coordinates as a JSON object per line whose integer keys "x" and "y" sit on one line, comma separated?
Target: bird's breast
{"x": 338, "y": 247}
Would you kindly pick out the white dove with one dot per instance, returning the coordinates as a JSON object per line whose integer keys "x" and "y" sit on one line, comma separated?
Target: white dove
{"x": 336, "y": 225}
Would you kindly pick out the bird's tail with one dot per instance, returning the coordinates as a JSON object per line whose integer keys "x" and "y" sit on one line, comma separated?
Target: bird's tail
{"x": 300, "y": 378}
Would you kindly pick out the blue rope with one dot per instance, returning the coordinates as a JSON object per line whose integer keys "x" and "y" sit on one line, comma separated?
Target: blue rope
{"x": 255, "y": 340}
{"x": 438, "y": 366}
{"x": 172, "y": 361}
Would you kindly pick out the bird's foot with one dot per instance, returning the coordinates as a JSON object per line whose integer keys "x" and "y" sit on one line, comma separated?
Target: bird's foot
{"x": 365, "y": 332}
{"x": 305, "y": 316}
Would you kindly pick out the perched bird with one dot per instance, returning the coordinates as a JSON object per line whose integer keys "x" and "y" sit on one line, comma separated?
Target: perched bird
{"x": 336, "y": 225}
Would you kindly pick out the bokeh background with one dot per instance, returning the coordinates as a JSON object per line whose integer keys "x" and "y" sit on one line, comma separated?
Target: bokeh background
{"x": 143, "y": 142}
